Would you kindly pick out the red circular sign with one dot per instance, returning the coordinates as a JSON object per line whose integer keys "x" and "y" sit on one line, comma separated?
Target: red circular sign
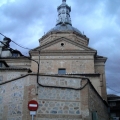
{"x": 32, "y": 105}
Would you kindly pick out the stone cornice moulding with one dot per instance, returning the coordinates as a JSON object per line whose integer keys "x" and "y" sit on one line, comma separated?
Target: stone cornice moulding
{"x": 63, "y": 53}
{"x": 68, "y": 32}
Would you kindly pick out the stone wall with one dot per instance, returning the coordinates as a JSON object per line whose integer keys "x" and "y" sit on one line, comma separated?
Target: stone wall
{"x": 100, "y": 68}
{"x": 14, "y": 97}
{"x": 72, "y": 36}
{"x": 55, "y": 103}
{"x": 96, "y": 104}
{"x": 6, "y": 75}
{"x": 59, "y": 103}
{"x": 11, "y": 100}
{"x": 73, "y": 64}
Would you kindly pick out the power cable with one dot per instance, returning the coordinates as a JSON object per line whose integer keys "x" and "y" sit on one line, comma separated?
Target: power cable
{"x": 20, "y": 45}
{"x": 16, "y": 43}
{"x": 80, "y": 88}
{"x": 113, "y": 89}
{"x": 2, "y": 35}
{"x": 38, "y": 69}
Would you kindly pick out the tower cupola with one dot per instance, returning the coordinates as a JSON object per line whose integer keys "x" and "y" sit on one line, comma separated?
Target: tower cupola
{"x": 64, "y": 14}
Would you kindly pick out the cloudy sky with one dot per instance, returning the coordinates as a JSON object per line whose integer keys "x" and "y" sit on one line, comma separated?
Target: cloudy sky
{"x": 25, "y": 21}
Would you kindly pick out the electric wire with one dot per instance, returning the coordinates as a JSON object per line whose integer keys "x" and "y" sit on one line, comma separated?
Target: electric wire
{"x": 45, "y": 85}
{"x": 16, "y": 43}
{"x": 38, "y": 69}
{"x": 2, "y": 35}
{"x": 21, "y": 45}
{"x": 80, "y": 88}
{"x": 113, "y": 89}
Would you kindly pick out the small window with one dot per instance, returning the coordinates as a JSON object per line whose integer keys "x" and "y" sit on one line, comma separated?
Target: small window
{"x": 62, "y": 71}
{"x": 62, "y": 44}
{"x": 15, "y": 54}
{"x": 1, "y": 64}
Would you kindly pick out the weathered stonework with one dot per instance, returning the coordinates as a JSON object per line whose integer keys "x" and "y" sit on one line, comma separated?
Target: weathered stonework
{"x": 59, "y": 101}
{"x": 102, "y": 110}
{"x": 72, "y": 96}
{"x": 54, "y": 103}
{"x": 58, "y": 94}
{"x": 58, "y": 107}
{"x": 60, "y": 82}
{"x": 57, "y": 119}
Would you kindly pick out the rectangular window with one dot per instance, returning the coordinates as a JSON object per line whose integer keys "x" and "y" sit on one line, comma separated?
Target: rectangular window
{"x": 62, "y": 71}
{"x": 1, "y": 64}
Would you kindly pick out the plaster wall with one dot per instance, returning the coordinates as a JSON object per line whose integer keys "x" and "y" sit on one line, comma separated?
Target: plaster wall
{"x": 96, "y": 83}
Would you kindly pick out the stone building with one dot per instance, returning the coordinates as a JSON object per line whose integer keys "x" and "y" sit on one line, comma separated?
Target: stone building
{"x": 114, "y": 103}
{"x": 63, "y": 74}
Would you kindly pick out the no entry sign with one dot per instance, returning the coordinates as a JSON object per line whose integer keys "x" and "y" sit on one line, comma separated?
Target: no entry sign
{"x": 33, "y": 105}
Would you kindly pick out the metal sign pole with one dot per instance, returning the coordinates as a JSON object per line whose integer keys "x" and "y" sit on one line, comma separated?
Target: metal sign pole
{"x": 32, "y": 117}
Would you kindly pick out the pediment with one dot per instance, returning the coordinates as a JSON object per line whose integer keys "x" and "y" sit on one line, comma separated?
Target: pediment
{"x": 64, "y": 44}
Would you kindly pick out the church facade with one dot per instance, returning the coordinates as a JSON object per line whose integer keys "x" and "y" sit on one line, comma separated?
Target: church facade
{"x": 63, "y": 74}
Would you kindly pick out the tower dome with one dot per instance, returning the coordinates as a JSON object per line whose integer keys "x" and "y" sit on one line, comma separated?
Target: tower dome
{"x": 63, "y": 23}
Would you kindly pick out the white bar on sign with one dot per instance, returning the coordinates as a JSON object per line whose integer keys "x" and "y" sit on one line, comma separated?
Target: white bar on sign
{"x": 32, "y": 105}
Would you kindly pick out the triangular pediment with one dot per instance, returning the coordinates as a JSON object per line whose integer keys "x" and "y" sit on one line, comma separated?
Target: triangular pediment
{"x": 64, "y": 44}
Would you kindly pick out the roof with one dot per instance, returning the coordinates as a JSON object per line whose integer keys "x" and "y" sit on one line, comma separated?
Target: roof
{"x": 112, "y": 97}
{"x": 64, "y": 20}
{"x": 15, "y": 68}
{"x": 17, "y": 51}
{"x": 2, "y": 61}
{"x": 64, "y": 28}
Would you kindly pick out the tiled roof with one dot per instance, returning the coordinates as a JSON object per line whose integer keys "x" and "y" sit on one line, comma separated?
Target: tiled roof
{"x": 15, "y": 68}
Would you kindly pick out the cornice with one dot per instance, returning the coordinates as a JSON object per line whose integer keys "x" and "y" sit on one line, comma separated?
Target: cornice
{"x": 103, "y": 59}
{"x": 63, "y": 52}
{"x": 68, "y": 32}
